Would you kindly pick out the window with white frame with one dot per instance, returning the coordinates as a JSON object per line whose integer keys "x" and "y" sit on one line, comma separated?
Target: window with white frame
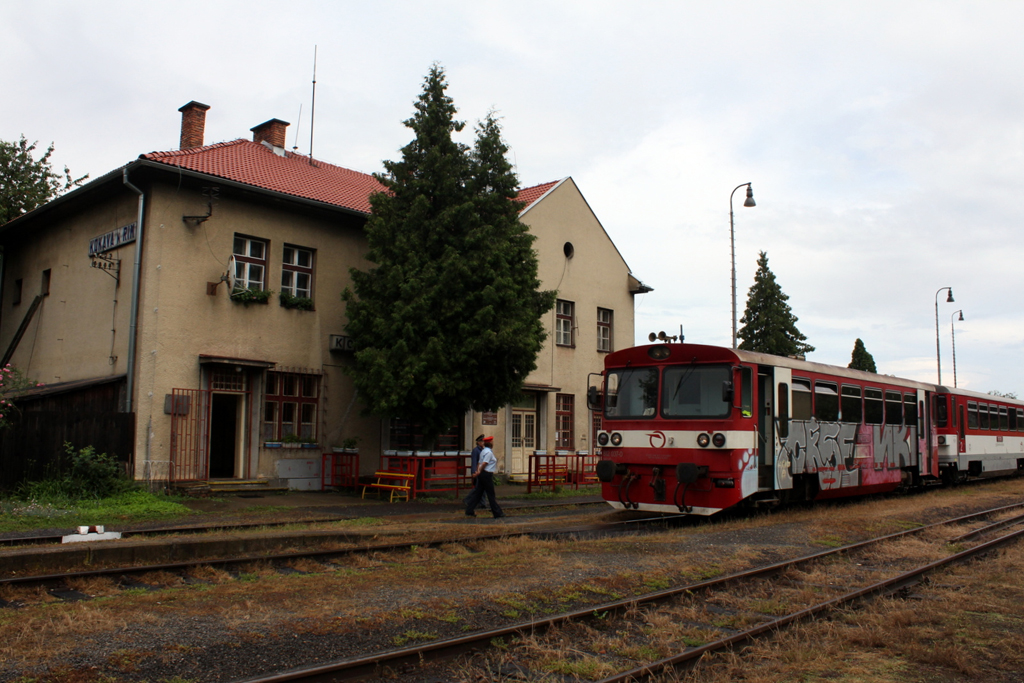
{"x": 564, "y": 419}
{"x": 564, "y": 323}
{"x": 604, "y": 329}
{"x": 297, "y": 272}
{"x": 291, "y": 403}
{"x": 250, "y": 263}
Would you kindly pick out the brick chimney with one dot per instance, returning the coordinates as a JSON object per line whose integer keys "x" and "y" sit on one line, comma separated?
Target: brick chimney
{"x": 193, "y": 124}
{"x": 272, "y": 131}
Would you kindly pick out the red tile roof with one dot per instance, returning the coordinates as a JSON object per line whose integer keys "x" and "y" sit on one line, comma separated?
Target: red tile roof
{"x": 532, "y": 194}
{"x": 255, "y": 164}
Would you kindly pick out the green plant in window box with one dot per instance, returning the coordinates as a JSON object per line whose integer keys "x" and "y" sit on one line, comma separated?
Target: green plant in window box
{"x": 251, "y": 296}
{"x": 291, "y": 438}
{"x": 302, "y": 303}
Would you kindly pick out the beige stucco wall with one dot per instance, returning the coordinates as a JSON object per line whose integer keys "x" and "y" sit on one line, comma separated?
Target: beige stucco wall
{"x": 81, "y": 333}
{"x": 181, "y": 321}
{"x": 595, "y": 277}
{"x": 70, "y": 336}
{"x": 81, "y": 329}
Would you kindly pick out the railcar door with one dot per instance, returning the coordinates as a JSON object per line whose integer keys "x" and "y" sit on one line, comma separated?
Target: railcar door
{"x": 765, "y": 403}
{"x": 961, "y": 426}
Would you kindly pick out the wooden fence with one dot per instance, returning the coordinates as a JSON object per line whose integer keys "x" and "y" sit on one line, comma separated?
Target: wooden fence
{"x": 34, "y": 447}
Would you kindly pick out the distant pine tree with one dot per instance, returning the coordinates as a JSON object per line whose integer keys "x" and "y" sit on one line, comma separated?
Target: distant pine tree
{"x": 861, "y": 359}
{"x": 769, "y": 325}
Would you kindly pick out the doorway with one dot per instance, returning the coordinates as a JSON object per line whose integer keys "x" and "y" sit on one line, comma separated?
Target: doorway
{"x": 765, "y": 433}
{"x": 524, "y": 434}
{"x": 224, "y": 435}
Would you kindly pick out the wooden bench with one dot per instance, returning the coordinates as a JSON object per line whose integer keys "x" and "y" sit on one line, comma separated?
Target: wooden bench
{"x": 397, "y": 483}
{"x": 548, "y": 474}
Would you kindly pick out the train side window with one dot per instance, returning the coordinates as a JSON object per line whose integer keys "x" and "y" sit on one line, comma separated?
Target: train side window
{"x": 941, "y": 414}
{"x": 972, "y": 414}
{"x": 952, "y": 411}
{"x": 782, "y": 408}
{"x": 850, "y": 405}
{"x": 826, "y": 401}
{"x": 746, "y": 391}
{"x": 1020, "y": 419}
{"x": 910, "y": 410}
{"x": 1012, "y": 415}
{"x": 1004, "y": 423}
{"x": 982, "y": 416}
{"x": 801, "y": 399}
{"x": 893, "y": 408}
{"x": 993, "y": 418}
{"x": 874, "y": 410}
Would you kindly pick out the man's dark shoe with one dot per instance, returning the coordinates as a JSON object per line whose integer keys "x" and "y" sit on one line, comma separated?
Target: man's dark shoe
{"x": 470, "y": 514}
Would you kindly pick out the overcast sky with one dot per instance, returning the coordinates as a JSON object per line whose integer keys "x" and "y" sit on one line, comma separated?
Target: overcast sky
{"x": 883, "y": 139}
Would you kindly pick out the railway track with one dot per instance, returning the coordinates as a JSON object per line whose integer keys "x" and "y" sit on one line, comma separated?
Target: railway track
{"x": 62, "y": 584}
{"x": 715, "y": 615}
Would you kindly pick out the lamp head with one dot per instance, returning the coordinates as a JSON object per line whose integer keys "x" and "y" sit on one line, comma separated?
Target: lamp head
{"x": 961, "y": 316}
{"x": 949, "y": 299}
{"x": 750, "y": 196}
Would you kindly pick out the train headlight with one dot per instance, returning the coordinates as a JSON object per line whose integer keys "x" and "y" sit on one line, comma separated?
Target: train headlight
{"x": 703, "y": 440}
{"x": 718, "y": 440}
{"x": 616, "y": 439}
{"x": 602, "y": 438}
{"x": 942, "y": 439}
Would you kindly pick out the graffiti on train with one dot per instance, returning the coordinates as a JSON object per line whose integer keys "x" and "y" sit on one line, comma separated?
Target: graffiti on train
{"x": 844, "y": 454}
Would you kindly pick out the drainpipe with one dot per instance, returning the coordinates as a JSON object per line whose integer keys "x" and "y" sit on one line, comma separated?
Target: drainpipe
{"x": 136, "y": 285}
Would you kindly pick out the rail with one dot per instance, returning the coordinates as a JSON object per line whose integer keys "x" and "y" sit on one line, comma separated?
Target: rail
{"x": 561, "y": 469}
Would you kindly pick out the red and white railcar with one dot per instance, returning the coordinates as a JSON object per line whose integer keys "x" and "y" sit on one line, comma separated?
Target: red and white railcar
{"x": 699, "y": 429}
{"x": 979, "y": 435}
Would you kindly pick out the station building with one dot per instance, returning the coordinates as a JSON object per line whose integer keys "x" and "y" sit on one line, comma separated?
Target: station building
{"x": 191, "y": 299}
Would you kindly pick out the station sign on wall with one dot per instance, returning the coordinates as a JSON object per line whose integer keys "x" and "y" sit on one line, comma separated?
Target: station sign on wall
{"x": 112, "y": 240}
{"x": 339, "y": 342}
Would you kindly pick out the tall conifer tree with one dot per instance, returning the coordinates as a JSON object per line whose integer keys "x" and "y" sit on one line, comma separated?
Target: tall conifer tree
{"x": 769, "y": 325}
{"x": 449, "y": 316}
{"x": 860, "y": 359}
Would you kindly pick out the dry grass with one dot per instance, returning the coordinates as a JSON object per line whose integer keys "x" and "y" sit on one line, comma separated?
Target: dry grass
{"x": 967, "y": 630}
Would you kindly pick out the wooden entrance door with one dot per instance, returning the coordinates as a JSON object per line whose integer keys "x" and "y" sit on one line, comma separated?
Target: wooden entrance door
{"x": 524, "y": 439}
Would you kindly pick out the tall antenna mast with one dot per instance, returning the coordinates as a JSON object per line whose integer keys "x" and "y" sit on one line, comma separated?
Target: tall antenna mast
{"x": 312, "y": 109}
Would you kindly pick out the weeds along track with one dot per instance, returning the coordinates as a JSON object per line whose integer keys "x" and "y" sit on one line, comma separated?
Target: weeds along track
{"x": 352, "y": 513}
{"x": 655, "y": 635}
{"x": 69, "y": 585}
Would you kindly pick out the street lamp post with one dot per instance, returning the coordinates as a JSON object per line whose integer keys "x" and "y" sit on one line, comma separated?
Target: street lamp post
{"x": 952, "y": 332}
{"x": 732, "y": 246}
{"x": 949, "y": 300}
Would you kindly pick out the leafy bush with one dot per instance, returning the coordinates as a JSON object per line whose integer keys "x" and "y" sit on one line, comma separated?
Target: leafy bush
{"x": 89, "y": 475}
{"x": 251, "y": 296}
{"x": 302, "y": 303}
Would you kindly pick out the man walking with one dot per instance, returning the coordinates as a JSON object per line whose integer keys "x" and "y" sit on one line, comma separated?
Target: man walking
{"x": 474, "y": 463}
{"x": 484, "y": 476}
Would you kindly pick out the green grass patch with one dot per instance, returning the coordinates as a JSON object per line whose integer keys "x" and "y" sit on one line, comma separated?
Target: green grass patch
{"x": 410, "y": 636}
{"x": 830, "y": 541}
{"x": 134, "y": 505}
{"x": 559, "y": 492}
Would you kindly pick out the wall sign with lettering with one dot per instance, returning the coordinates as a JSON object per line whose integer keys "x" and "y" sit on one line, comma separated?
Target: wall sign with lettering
{"x": 112, "y": 239}
{"x": 339, "y": 342}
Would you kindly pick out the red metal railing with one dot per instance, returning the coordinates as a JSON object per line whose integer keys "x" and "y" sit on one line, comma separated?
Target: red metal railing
{"x": 561, "y": 469}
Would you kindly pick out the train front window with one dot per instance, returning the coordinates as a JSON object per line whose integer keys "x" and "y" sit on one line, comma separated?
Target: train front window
{"x": 631, "y": 392}
{"x": 695, "y": 391}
